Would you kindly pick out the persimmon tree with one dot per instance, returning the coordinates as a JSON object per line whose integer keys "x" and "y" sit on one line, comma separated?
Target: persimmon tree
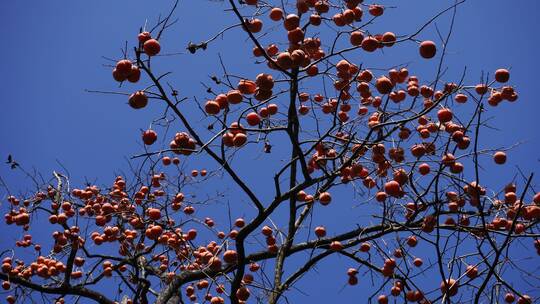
{"x": 406, "y": 147}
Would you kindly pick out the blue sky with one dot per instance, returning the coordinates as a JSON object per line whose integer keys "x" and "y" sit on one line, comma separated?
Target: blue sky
{"x": 54, "y": 50}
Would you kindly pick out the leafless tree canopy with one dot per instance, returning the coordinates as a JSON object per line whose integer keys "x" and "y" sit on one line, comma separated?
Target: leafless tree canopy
{"x": 406, "y": 151}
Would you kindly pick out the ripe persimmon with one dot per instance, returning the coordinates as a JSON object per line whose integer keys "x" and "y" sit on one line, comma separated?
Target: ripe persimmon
{"x": 154, "y": 214}
{"x": 254, "y": 25}
{"x": 502, "y": 75}
{"x": 291, "y": 22}
{"x": 272, "y": 108}
{"x": 499, "y": 157}
{"x": 212, "y": 107}
{"x": 336, "y": 246}
{"x": 138, "y": 100}
{"x": 325, "y": 198}
{"x": 384, "y": 85}
{"x": 230, "y": 256}
{"x": 370, "y": 44}
{"x": 247, "y": 87}
{"x": 149, "y": 137}
{"x": 253, "y": 119}
{"x": 264, "y": 81}
{"x": 151, "y": 47}
{"x": 315, "y": 19}
{"x": 320, "y": 232}
{"x": 234, "y": 97}
{"x": 449, "y": 287}
{"x": 284, "y": 60}
{"x": 388, "y": 39}
{"x": 124, "y": 67}
{"x": 276, "y": 14}
{"x": 144, "y": 36}
{"x": 376, "y": 10}
{"x": 428, "y": 49}
{"x": 239, "y": 139}
{"x": 445, "y": 115}
{"x": 393, "y": 188}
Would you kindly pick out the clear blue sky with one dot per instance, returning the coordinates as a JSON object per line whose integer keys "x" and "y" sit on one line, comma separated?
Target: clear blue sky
{"x": 52, "y": 51}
